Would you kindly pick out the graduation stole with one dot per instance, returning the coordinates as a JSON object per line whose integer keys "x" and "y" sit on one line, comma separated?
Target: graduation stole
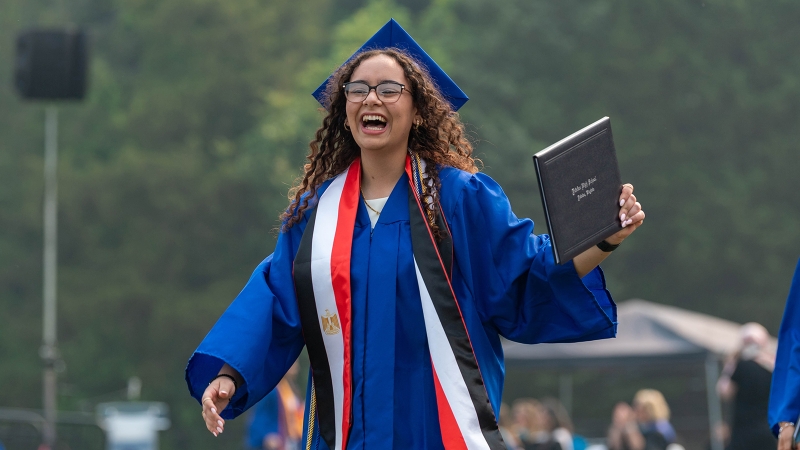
{"x": 322, "y": 284}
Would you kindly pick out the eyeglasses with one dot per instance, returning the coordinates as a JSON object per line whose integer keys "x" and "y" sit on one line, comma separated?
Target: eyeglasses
{"x": 387, "y": 92}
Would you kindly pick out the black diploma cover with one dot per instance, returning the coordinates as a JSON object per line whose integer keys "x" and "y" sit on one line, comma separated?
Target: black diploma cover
{"x": 580, "y": 184}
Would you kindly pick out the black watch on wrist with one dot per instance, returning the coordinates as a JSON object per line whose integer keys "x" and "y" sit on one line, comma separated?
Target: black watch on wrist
{"x": 606, "y": 247}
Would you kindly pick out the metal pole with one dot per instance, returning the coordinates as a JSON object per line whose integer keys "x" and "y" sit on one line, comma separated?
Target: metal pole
{"x": 714, "y": 406}
{"x": 49, "y": 349}
{"x": 565, "y": 391}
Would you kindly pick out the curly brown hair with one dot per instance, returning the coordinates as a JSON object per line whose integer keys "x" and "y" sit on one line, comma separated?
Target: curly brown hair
{"x": 440, "y": 139}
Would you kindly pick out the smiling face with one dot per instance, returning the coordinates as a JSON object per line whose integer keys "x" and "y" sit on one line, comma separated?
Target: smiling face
{"x": 378, "y": 126}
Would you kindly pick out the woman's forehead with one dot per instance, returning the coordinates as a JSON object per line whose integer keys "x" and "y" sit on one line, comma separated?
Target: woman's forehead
{"x": 378, "y": 68}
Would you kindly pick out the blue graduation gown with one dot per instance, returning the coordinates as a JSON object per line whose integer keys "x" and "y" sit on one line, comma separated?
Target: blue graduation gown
{"x": 504, "y": 277}
{"x": 784, "y": 397}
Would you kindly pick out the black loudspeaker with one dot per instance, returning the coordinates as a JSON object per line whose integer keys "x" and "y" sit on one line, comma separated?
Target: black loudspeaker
{"x": 51, "y": 64}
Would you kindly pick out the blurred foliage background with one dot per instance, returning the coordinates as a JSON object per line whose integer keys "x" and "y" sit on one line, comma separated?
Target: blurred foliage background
{"x": 174, "y": 169}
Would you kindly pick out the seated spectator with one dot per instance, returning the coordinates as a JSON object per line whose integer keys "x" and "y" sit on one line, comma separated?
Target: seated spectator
{"x": 652, "y": 413}
{"x": 505, "y": 424}
{"x": 645, "y": 426}
{"x": 532, "y": 426}
{"x": 522, "y": 410}
{"x": 557, "y": 423}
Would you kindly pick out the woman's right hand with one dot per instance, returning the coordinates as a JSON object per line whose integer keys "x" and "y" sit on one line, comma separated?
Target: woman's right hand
{"x": 215, "y": 398}
{"x": 785, "y": 438}
{"x": 623, "y": 415}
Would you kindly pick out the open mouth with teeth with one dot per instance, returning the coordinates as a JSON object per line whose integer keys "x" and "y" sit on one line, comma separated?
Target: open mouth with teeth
{"x": 373, "y": 122}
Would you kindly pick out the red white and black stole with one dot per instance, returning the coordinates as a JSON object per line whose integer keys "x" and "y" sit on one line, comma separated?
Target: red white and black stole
{"x": 322, "y": 283}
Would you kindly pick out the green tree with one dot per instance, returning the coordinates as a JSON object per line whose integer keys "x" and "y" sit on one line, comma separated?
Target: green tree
{"x": 166, "y": 204}
{"x": 703, "y": 102}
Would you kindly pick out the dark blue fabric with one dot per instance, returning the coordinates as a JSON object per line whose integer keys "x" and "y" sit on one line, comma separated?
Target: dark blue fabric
{"x": 263, "y": 420}
{"x": 784, "y": 397}
{"x": 504, "y": 277}
{"x": 392, "y": 35}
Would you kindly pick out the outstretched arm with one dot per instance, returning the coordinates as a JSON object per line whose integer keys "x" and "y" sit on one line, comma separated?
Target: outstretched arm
{"x": 255, "y": 341}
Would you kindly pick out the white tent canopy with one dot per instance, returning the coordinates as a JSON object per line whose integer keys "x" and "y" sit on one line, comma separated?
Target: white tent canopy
{"x": 646, "y": 332}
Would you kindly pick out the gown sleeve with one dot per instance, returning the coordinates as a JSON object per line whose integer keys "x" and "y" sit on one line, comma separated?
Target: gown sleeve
{"x": 784, "y": 396}
{"x": 259, "y": 334}
{"x": 512, "y": 275}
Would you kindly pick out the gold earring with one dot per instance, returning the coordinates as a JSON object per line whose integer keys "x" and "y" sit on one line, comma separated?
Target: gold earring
{"x": 347, "y": 126}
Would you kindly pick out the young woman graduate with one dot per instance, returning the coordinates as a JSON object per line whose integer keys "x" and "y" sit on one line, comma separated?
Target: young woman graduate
{"x": 399, "y": 267}
{"x": 784, "y": 397}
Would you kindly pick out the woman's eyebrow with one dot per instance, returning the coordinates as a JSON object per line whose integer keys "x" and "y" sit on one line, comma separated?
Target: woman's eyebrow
{"x": 379, "y": 82}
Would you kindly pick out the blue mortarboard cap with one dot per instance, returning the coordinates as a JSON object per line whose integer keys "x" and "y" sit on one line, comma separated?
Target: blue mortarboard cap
{"x": 392, "y": 35}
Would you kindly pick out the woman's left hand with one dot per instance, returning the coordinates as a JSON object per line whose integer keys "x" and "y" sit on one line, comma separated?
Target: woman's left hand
{"x": 630, "y": 214}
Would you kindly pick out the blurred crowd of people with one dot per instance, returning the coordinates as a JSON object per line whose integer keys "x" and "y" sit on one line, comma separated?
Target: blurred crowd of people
{"x": 545, "y": 425}
{"x": 644, "y": 425}
{"x": 538, "y": 425}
